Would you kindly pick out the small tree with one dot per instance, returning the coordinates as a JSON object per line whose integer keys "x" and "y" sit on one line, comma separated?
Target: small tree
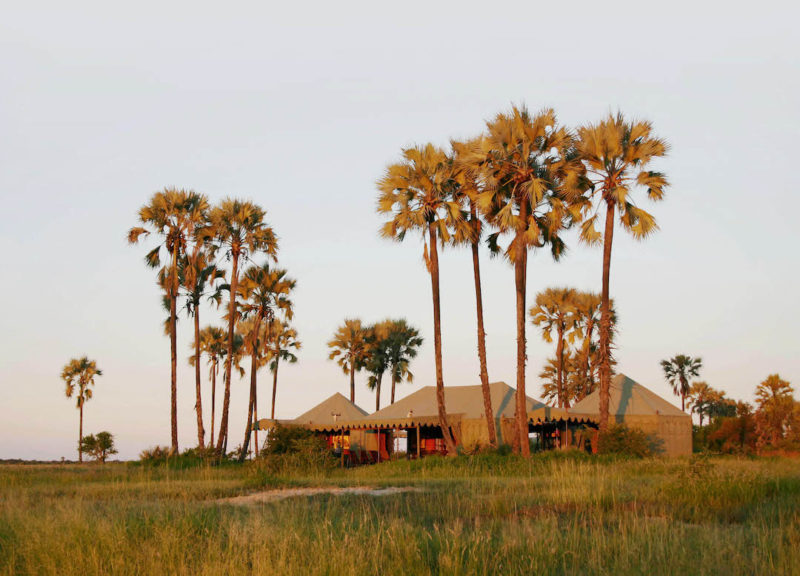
{"x": 98, "y": 447}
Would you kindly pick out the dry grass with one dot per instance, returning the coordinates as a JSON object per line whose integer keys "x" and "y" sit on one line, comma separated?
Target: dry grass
{"x": 478, "y": 515}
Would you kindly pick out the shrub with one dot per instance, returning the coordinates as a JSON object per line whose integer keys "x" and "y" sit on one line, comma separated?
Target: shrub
{"x": 98, "y": 447}
{"x": 292, "y": 449}
{"x": 287, "y": 439}
{"x": 619, "y": 439}
{"x": 191, "y": 458}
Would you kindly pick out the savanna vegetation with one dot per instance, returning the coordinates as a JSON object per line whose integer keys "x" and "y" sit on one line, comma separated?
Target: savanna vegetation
{"x": 555, "y": 513}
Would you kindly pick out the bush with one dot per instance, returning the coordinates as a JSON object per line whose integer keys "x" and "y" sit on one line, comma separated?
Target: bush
{"x": 191, "y": 458}
{"x": 619, "y": 439}
{"x": 287, "y": 440}
{"x": 292, "y": 448}
{"x": 98, "y": 447}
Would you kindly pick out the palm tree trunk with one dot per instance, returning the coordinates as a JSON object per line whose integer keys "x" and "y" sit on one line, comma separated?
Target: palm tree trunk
{"x": 352, "y": 381}
{"x": 213, "y": 398}
{"x": 378, "y": 392}
{"x": 560, "y": 365}
{"x": 437, "y": 345}
{"x": 394, "y": 383}
{"x": 255, "y": 422}
{"x": 80, "y": 434}
{"x": 484, "y": 372}
{"x": 274, "y": 387}
{"x": 587, "y": 368}
{"x": 520, "y": 274}
{"x": 605, "y": 319}
{"x": 198, "y": 406}
{"x": 253, "y": 375}
{"x": 226, "y": 400}
{"x": 173, "y": 345}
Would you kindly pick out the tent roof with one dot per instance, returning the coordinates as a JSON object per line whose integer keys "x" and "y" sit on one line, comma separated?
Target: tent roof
{"x": 464, "y": 400}
{"x": 627, "y": 397}
{"x": 323, "y": 413}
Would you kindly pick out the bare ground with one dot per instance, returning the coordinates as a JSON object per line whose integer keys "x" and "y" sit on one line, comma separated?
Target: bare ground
{"x": 282, "y": 494}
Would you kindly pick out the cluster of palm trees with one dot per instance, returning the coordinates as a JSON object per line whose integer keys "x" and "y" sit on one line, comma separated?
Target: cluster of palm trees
{"x": 571, "y": 318}
{"x": 197, "y": 238}
{"x": 389, "y": 345}
{"x": 529, "y": 179}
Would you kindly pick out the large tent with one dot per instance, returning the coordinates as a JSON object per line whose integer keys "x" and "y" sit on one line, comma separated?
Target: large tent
{"x": 632, "y": 404}
{"x": 418, "y": 414}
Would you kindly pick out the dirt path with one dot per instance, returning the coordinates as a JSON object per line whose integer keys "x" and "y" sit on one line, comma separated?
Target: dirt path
{"x": 282, "y": 494}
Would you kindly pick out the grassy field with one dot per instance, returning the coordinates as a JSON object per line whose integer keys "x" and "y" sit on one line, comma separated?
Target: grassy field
{"x": 487, "y": 514}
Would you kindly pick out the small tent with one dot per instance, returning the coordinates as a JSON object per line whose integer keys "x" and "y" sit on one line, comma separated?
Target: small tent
{"x": 632, "y": 404}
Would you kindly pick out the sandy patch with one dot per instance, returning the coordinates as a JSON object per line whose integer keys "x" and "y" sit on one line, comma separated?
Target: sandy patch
{"x": 284, "y": 493}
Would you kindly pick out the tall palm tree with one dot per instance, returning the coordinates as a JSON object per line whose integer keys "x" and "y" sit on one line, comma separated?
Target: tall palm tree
{"x": 198, "y": 273}
{"x": 175, "y": 215}
{"x": 377, "y": 361}
{"x": 533, "y": 190}
{"x": 678, "y": 370}
{"x": 616, "y": 153}
{"x": 213, "y": 344}
{"x": 402, "y": 342}
{"x": 237, "y": 228}
{"x": 466, "y": 180}
{"x": 282, "y": 346}
{"x": 265, "y": 292}
{"x": 556, "y": 310}
{"x": 350, "y": 349}
{"x": 79, "y": 375}
{"x": 414, "y": 195}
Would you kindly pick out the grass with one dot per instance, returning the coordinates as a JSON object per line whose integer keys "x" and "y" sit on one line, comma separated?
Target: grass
{"x": 486, "y": 514}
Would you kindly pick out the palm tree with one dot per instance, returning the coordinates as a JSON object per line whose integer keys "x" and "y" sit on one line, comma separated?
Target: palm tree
{"x": 678, "y": 370}
{"x": 349, "y": 349}
{"x": 533, "y": 190}
{"x": 238, "y": 228}
{"x": 587, "y": 307}
{"x": 283, "y": 342}
{"x": 700, "y": 396}
{"x": 197, "y": 274}
{"x": 616, "y": 154}
{"x": 265, "y": 292}
{"x": 556, "y": 310}
{"x": 556, "y": 392}
{"x": 377, "y": 361}
{"x": 414, "y": 194}
{"x": 175, "y": 215}
{"x": 466, "y": 180}
{"x": 402, "y": 342}
{"x": 213, "y": 344}
{"x": 79, "y": 375}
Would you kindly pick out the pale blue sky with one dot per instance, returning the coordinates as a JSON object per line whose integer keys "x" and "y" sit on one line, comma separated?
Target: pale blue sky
{"x": 299, "y": 107}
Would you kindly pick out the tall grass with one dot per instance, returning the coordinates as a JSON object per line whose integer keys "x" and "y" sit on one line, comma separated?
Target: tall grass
{"x": 474, "y": 515}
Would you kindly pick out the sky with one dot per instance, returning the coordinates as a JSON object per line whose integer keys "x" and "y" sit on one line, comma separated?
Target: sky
{"x": 299, "y": 107}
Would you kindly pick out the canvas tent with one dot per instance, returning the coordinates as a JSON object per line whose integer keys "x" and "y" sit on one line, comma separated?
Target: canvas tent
{"x": 418, "y": 414}
{"x": 637, "y": 407}
{"x": 325, "y": 419}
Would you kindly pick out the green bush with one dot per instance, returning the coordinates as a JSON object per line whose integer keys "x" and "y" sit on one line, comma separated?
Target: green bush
{"x": 295, "y": 449}
{"x": 191, "y": 458}
{"x": 619, "y": 439}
